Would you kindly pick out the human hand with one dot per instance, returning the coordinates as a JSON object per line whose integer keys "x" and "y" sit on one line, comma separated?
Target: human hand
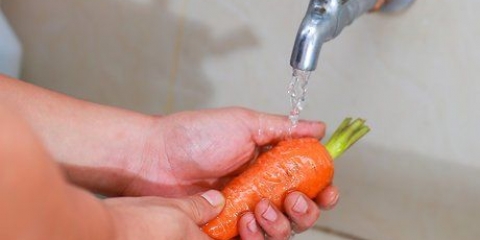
{"x": 181, "y": 218}
{"x": 188, "y": 152}
{"x": 163, "y": 218}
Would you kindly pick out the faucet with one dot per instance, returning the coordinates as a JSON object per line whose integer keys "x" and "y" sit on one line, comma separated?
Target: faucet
{"x": 324, "y": 21}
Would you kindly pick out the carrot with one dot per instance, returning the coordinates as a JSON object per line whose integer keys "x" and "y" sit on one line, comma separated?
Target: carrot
{"x": 303, "y": 165}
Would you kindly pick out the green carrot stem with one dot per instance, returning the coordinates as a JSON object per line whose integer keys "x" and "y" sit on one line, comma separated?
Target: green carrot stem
{"x": 340, "y": 128}
{"x": 347, "y": 134}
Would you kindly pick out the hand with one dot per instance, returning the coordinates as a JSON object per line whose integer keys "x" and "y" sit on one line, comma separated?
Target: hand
{"x": 190, "y": 152}
{"x": 163, "y": 218}
{"x": 181, "y": 218}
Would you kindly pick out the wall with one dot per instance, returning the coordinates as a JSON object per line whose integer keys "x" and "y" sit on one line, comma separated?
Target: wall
{"x": 414, "y": 76}
{"x": 10, "y": 49}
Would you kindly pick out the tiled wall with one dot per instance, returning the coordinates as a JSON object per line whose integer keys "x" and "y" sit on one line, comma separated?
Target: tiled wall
{"x": 414, "y": 76}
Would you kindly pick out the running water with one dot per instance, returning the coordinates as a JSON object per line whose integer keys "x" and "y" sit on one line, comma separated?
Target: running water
{"x": 297, "y": 91}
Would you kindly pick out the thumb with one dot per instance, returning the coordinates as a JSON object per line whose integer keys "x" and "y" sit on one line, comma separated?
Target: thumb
{"x": 203, "y": 207}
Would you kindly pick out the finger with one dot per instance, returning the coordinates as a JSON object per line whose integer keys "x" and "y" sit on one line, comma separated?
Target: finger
{"x": 272, "y": 221}
{"x": 202, "y": 208}
{"x": 328, "y": 198}
{"x": 267, "y": 128}
{"x": 302, "y": 211}
{"x": 248, "y": 228}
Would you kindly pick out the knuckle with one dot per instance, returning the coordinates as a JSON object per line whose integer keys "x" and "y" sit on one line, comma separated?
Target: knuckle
{"x": 194, "y": 207}
{"x": 315, "y": 215}
{"x": 186, "y": 207}
{"x": 304, "y": 223}
{"x": 245, "y": 113}
{"x": 282, "y": 231}
{"x": 241, "y": 110}
{"x": 285, "y": 231}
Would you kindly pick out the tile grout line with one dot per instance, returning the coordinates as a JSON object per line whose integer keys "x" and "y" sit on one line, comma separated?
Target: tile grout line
{"x": 337, "y": 233}
{"x": 176, "y": 59}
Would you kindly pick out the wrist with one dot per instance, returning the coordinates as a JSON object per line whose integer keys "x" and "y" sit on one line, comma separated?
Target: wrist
{"x": 153, "y": 174}
{"x": 111, "y": 159}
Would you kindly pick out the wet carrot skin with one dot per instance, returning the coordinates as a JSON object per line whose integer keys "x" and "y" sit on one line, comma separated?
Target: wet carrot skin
{"x": 292, "y": 165}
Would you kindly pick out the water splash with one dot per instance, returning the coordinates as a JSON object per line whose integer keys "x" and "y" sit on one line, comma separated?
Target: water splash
{"x": 297, "y": 91}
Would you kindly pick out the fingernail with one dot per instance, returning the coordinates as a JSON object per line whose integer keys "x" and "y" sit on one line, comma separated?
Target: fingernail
{"x": 332, "y": 199}
{"x": 215, "y": 198}
{"x": 301, "y": 205}
{"x": 270, "y": 214}
{"x": 251, "y": 223}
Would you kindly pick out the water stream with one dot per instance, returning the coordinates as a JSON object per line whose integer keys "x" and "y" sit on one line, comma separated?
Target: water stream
{"x": 297, "y": 92}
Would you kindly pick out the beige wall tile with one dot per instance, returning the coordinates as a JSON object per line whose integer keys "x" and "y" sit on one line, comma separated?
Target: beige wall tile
{"x": 109, "y": 51}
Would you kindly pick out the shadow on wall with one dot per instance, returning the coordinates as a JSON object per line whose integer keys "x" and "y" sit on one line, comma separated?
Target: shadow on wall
{"x": 401, "y": 196}
{"x": 131, "y": 54}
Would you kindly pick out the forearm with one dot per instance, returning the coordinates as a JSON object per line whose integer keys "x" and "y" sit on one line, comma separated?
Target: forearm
{"x": 84, "y": 137}
{"x": 54, "y": 212}
{"x": 37, "y": 202}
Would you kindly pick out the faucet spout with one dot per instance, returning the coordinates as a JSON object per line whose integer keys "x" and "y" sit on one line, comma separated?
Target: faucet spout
{"x": 325, "y": 20}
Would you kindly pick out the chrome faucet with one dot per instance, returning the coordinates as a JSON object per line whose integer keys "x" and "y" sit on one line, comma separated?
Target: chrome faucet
{"x": 324, "y": 21}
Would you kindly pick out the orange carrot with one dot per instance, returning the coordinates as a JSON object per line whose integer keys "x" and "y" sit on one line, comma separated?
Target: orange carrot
{"x": 303, "y": 165}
